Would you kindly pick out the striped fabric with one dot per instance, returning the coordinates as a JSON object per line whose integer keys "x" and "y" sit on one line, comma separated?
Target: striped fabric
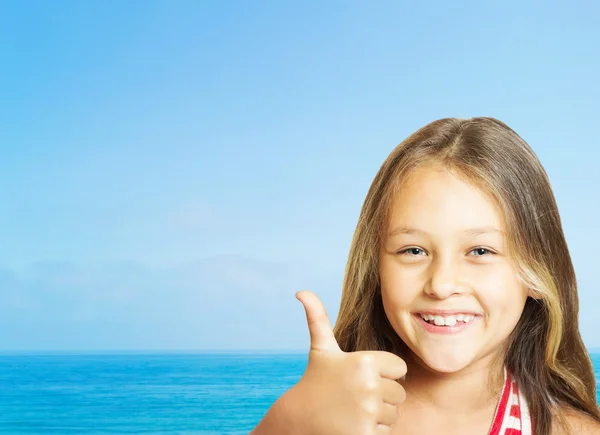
{"x": 512, "y": 414}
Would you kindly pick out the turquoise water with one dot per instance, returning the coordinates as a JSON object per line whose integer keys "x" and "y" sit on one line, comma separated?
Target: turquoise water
{"x": 207, "y": 394}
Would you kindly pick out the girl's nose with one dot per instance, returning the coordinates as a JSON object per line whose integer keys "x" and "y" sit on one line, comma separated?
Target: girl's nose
{"x": 444, "y": 279}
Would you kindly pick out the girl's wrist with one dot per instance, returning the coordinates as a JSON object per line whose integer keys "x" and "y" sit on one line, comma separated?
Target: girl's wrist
{"x": 282, "y": 417}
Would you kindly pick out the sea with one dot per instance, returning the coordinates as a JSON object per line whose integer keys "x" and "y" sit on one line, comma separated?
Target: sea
{"x": 220, "y": 393}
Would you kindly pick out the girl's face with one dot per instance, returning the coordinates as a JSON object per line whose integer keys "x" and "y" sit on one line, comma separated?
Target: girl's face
{"x": 448, "y": 286}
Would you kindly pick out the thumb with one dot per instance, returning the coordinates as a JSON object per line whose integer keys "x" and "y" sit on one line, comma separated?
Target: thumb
{"x": 321, "y": 333}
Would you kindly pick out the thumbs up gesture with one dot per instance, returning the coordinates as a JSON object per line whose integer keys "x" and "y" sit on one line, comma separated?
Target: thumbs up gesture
{"x": 344, "y": 393}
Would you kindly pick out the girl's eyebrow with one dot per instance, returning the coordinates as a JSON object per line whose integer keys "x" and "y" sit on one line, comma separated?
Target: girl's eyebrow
{"x": 467, "y": 232}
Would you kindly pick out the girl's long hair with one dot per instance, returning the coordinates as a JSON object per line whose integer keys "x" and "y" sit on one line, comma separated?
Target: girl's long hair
{"x": 545, "y": 351}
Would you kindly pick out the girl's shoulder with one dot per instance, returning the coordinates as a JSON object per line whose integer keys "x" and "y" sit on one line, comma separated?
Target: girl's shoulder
{"x": 577, "y": 423}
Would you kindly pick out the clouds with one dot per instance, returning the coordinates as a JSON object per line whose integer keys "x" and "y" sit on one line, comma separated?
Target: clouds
{"x": 192, "y": 217}
{"x": 221, "y": 302}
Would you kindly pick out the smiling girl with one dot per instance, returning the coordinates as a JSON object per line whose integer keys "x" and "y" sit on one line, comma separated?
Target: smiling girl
{"x": 459, "y": 310}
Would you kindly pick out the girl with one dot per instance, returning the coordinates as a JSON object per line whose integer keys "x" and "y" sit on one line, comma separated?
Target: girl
{"x": 459, "y": 310}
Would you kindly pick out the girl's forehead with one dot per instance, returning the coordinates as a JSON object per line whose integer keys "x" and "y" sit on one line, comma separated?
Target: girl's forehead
{"x": 438, "y": 198}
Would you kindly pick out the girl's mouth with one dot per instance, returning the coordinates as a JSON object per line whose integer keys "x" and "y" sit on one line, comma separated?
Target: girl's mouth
{"x": 446, "y": 324}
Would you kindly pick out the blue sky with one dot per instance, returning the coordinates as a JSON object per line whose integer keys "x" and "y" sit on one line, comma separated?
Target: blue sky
{"x": 173, "y": 172}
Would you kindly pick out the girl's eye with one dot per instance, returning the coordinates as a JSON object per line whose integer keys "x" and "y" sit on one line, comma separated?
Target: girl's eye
{"x": 411, "y": 252}
{"x": 415, "y": 252}
{"x": 482, "y": 251}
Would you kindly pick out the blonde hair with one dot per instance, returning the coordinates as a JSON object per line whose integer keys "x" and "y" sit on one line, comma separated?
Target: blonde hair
{"x": 545, "y": 351}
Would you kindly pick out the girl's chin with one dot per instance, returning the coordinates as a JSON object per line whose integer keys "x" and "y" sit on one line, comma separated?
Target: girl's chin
{"x": 447, "y": 368}
{"x": 443, "y": 362}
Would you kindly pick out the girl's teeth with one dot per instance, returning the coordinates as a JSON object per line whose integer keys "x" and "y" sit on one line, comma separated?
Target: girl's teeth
{"x": 447, "y": 320}
{"x": 451, "y": 321}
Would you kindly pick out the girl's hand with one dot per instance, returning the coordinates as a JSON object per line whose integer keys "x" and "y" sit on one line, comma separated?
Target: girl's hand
{"x": 344, "y": 393}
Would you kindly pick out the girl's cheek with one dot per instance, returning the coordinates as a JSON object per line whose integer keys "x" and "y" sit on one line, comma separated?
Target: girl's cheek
{"x": 398, "y": 297}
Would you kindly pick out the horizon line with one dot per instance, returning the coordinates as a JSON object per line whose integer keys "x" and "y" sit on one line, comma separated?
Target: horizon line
{"x": 6, "y": 352}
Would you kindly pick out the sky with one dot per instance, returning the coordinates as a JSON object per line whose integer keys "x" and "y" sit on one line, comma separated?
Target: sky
{"x": 172, "y": 172}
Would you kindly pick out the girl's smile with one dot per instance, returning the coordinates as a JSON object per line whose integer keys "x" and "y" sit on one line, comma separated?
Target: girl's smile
{"x": 446, "y": 324}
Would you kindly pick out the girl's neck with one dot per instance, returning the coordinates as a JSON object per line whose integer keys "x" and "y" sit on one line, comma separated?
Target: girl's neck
{"x": 473, "y": 390}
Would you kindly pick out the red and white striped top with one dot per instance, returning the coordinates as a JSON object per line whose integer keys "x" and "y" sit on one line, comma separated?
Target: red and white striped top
{"x": 512, "y": 413}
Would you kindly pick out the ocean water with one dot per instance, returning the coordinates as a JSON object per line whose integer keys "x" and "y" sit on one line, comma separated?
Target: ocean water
{"x": 202, "y": 394}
